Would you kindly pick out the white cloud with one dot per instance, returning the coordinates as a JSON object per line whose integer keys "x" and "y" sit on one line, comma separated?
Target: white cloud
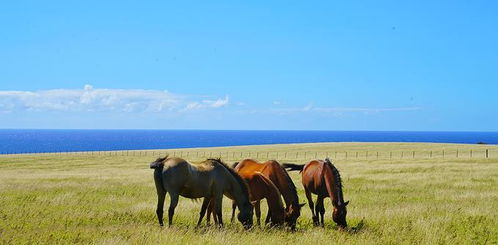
{"x": 311, "y": 108}
{"x": 94, "y": 99}
{"x": 207, "y": 104}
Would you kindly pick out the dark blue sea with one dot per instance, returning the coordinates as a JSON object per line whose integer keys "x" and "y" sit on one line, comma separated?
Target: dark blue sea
{"x": 32, "y": 141}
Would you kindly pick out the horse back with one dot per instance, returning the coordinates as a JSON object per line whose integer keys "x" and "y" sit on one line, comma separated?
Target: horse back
{"x": 313, "y": 177}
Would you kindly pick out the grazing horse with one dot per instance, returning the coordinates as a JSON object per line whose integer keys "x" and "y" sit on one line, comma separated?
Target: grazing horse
{"x": 210, "y": 179}
{"x": 260, "y": 187}
{"x": 277, "y": 174}
{"x": 323, "y": 179}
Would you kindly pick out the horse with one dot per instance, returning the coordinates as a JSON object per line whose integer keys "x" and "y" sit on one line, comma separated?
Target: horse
{"x": 260, "y": 187}
{"x": 323, "y": 179}
{"x": 274, "y": 171}
{"x": 210, "y": 179}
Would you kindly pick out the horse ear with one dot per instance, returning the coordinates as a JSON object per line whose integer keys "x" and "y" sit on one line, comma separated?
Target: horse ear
{"x": 302, "y": 204}
{"x": 346, "y": 203}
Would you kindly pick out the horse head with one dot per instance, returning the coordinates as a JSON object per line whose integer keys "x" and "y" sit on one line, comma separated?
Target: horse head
{"x": 245, "y": 215}
{"x": 291, "y": 214}
{"x": 339, "y": 214}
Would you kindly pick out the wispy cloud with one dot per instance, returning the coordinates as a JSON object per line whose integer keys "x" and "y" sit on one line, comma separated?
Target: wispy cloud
{"x": 96, "y": 99}
{"x": 207, "y": 104}
{"x": 311, "y": 108}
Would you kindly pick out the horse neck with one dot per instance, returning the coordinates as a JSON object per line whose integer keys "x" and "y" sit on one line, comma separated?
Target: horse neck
{"x": 333, "y": 189}
{"x": 273, "y": 198}
{"x": 275, "y": 205}
{"x": 238, "y": 193}
{"x": 285, "y": 182}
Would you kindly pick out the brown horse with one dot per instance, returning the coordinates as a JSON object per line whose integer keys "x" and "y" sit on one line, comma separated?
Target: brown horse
{"x": 210, "y": 179}
{"x": 323, "y": 179}
{"x": 277, "y": 174}
{"x": 260, "y": 187}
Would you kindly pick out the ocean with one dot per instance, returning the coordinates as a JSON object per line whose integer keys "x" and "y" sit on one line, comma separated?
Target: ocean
{"x": 38, "y": 140}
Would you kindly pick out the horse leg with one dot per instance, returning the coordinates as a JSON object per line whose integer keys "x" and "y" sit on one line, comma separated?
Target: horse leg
{"x": 234, "y": 206}
{"x": 320, "y": 209}
{"x": 210, "y": 212}
{"x": 312, "y": 206}
{"x": 204, "y": 207}
{"x": 218, "y": 205}
{"x": 215, "y": 217}
{"x": 161, "y": 195}
{"x": 268, "y": 217}
{"x": 172, "y": 206}
{"x": 257, "y": 209}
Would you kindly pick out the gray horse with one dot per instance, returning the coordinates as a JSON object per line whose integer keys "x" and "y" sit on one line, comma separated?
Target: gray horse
{"x": 210, "y": 179}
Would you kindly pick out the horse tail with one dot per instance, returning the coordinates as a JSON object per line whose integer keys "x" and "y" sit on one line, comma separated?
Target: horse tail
{"x": 293, "y": 167}
{"x": 158, "y": 166}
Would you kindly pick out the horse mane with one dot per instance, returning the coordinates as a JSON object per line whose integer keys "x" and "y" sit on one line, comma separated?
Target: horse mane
{"x": 242, "y": 182}
{"x": 337, "y": 178}
{"x": 162, "y": 159}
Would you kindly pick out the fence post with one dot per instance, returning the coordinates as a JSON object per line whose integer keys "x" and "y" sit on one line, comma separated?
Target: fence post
{"x": 470, "y": 153}
{"x": 377, "y": 155}
{"x": 487, "y": 153}
{"x": 402, "y": 154}
{"x": 315, "y": 154}
{"x": 443, "y": 154}
{"x": 457, "y": 153}
{"x": 431, "y": 154}
{"x": 413, "y": 154}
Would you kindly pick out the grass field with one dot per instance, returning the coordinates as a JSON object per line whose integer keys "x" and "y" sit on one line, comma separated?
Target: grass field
{"x": 110, "y": 199}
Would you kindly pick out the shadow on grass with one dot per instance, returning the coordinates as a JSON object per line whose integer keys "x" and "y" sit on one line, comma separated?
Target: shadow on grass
{"x": 358, "y": 228}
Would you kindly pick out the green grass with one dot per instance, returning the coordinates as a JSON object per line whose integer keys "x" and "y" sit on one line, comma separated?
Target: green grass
{"x": 110, "y": 198}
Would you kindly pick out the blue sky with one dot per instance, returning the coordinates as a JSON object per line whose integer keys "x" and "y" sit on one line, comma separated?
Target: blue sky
{"x": 318, "y": 65}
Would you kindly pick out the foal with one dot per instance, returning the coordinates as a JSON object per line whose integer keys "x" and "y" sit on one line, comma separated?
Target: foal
{"x": 260, "y": 187}
{"x": 277, "y": 174}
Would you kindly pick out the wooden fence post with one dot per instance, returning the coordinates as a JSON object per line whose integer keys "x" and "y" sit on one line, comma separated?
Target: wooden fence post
{"x": 487, "y": 153}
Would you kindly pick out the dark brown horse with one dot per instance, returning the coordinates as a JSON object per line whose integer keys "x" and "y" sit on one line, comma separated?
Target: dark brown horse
{"x": 323, "y": 179}
{"x": 210, "y": 179}
{"x": 277, "y": 174}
